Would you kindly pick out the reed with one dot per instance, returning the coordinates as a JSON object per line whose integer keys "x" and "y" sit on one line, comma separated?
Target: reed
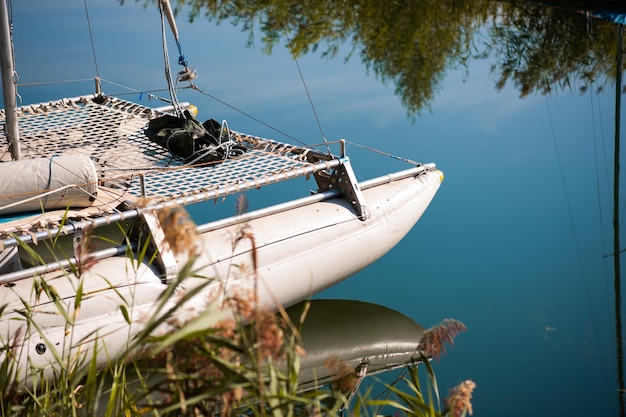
{"x": 230, "y": 358}
{"x": 418, "y": 396}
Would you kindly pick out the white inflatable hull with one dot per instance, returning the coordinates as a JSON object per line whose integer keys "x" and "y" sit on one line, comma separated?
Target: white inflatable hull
{"x": 297, "y": 252}
{"x": 310, "y": 248}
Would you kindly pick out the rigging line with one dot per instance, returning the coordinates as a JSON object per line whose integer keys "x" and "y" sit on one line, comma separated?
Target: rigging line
{"x": 295, "y": 58}
{"x": 93, "y": 47}
{"x": 399, "y": 158}
{"x": 598, "y": 192}
{"x": 601, "y": 218}
{"x": 602, "y": 135}
{"x": 141, "y": 92}
{"x": 37, "y": 83}
{"x": 616, "y": 257}
{"x": 573, "y": 227}
{"x": 597, "y": 166}
{"x": 388, "y": 391}
{"x": 146, "y": 92}
{"x": 168, "y": 74}
{"x": 250, "y": 116}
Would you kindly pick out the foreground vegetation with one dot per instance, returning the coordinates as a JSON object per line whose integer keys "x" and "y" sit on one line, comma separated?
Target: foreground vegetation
{"x": 223, "y": 369}
{"x": 230, "y": 358}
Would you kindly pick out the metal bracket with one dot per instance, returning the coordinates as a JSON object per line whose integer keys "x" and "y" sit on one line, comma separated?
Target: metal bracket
{"x": 10, "y": 260}
{"x": 361, "y": 373}
{"x": 343, "y": 179}
{"x": 83, "y": 246}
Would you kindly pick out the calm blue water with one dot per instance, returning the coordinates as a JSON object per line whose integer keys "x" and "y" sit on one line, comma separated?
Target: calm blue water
{"x": 514, "y": 243}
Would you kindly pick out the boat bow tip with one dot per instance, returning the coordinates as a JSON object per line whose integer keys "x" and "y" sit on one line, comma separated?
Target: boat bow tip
{"x": 441, "y": 176}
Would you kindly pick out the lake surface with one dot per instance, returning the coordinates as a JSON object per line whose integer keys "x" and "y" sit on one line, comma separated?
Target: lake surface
{"x": 515, "y": 243}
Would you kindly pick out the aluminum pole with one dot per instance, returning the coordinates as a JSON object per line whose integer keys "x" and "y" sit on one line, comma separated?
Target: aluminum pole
{"x": 8, "y": 83}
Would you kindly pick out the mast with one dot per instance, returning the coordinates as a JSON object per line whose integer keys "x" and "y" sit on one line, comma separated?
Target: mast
{"x": 8, "y": 83}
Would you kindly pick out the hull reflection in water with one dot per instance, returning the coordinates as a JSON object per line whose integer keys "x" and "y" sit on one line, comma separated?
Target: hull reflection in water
{"x": 368, "y": 338}
{"x": 344, "y": 341}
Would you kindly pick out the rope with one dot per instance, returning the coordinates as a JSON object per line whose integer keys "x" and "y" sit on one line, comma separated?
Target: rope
{"x": 168, "y": 74}
{"x": 227, "y": 146}
{"x": 40, "y": 195}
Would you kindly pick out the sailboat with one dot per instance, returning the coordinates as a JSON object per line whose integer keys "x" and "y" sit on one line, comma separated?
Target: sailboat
{"x": 92, "y": 221}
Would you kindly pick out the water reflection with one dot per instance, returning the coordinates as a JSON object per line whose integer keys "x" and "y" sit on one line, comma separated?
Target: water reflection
{"x": 363, "y": 337}
{"x": 345, "y": 342}
{"x": 413, "y": 44}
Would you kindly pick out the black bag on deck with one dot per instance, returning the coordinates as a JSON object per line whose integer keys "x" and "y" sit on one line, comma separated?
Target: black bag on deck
{"x": 188, "y": 138}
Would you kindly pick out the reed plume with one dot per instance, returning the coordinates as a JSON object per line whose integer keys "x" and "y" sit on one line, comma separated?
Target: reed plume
{"x": 345, "y": 377}
{"x": 459, "y": 402}
{"x": 434, "y": 340}
{"x": 180, "y": 231}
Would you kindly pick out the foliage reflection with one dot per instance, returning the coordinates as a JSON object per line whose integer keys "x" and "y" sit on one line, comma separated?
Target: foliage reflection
{"x": 412, "y": 44}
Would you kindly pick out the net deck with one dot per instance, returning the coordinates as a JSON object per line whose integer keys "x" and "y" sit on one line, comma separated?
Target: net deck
{"x": 111, "y": 132}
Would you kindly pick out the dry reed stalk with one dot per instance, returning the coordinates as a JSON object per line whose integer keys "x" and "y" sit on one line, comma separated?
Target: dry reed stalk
{"x": 434, "y": 340}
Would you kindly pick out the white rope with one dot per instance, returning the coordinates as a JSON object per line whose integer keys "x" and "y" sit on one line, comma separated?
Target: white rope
{"x": 168, "y": 74}
{"x": 226, "y": 143}
{"x": 26, "y": 200}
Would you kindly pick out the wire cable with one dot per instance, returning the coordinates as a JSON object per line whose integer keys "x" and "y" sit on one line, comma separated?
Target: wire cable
{"x": 93, "y": 47}
{"x": 378, "y": 151}
{"x": 573, "y": 228}
{"x": 616, "y": 243}
{"x": 598, "y": 163}
{"x": 249, "y": 115}
{"x": 306, "y": 88}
